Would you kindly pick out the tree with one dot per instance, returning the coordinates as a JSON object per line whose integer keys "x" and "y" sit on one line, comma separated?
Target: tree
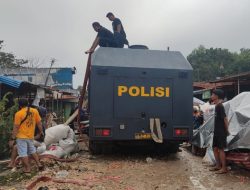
{"x": 242, "y": 63}
{"x": 8, "y": 60}
{"x": 8, "y": 108}
{"x": 208, "y": 64}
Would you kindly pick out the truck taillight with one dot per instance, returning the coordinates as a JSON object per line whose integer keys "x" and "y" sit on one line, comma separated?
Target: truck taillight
{"x": 180, "y": 132}
{"x": 102, "y": 132}
{"x": 106, "y": 132}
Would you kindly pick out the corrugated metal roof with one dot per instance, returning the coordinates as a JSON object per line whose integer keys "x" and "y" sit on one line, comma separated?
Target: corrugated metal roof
{"x": 10, "y": 81}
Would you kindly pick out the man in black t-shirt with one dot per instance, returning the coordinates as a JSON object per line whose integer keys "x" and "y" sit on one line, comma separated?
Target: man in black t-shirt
{"x": 104, "y": 38}
{"x": 220, "y": 132}
{"x": 119, "y": 33}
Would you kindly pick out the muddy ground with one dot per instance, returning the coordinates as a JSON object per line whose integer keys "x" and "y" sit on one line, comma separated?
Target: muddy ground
{"x": 134, "y": 171}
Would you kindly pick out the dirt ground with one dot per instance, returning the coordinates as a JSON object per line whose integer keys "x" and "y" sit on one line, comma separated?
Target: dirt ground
{"x": 136, "y": 171}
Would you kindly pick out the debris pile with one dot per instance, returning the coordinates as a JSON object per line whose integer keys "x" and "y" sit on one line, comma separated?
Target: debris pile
{"x": 240, "y": 159}
{"x": 238, "y": 113}
{"x": 59, "y": 141}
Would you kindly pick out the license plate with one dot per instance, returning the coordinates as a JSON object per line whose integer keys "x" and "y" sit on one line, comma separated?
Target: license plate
{"x": 142, "y": 136}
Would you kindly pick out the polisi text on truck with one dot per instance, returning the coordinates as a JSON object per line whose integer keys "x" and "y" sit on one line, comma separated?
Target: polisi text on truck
{"x": 142, "y": 91}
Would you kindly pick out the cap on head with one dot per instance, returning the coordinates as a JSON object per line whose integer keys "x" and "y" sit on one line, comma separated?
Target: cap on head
{"x": 23, "y": 102}
{"x": 109, "y": 14}
{"x": 219, "y": 93}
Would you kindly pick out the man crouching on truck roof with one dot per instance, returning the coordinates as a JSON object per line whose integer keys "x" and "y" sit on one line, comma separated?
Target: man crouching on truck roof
{"x": 104, "y": 38}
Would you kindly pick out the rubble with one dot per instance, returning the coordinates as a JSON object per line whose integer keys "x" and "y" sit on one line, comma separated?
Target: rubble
{"x": 238, "y": 113}
{"x": 240, "y": 159}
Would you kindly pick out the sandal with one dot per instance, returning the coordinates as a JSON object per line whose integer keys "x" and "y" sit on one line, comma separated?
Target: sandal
{"x": 27, "y": 173}
{"x": 211, "y": 165}
{"x": 40, "y": 167}
{"x": 221, "y": 172}
{"x": 214, "y": 169}
{"x": 10, "y": 167}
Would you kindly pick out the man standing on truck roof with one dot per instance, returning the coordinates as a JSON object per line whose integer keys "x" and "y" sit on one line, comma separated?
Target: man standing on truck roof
{"x": 220, "y": 132}
{"x": 119, "y": 33}
{"x": 104, "y": 38}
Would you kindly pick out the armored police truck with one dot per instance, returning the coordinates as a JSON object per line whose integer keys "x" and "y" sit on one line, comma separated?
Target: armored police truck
{"x": 139, "y": 95}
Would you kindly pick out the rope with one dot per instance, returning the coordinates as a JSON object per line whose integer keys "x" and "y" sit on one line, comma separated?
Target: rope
{"x": 155, "y": 123}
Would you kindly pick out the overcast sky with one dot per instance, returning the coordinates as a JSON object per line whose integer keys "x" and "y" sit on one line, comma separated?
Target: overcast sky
{"x": 43, "y": 29}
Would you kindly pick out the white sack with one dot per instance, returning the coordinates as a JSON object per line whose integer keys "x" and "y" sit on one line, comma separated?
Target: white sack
{"x": 55, "y": 151}
{"x": 56, "y": 133}
{"x": 71, "y": 135}
{"x": 68, "y": 145}
{"x": 40, "y": 149}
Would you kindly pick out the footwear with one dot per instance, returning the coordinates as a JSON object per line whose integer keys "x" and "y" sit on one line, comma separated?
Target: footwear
{"x": 221, "y": 172}
{"x": 10, "y": 167}
{"x": 211, "y": 165}
{"x": 26, "y": 173}
{"x": 40, "y": 167}
{"x": 214, "y": 169}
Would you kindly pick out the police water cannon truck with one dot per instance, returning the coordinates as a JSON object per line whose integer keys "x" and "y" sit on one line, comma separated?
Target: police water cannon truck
{"x": 139, "y": 95}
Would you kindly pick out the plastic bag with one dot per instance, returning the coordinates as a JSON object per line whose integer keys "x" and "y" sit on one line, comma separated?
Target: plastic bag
{"x": 55, "y": 151}
{"x": 68, "y": 145}
{"x": 40, "y": 149}
{"x": 71, "y": 135}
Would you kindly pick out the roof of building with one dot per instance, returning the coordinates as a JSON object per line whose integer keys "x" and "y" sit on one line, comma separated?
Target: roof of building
{"x": 138, "y": 58}
{"x": 233, "y": 78}
{"x": 14, "y": 82}
{"x": 210, "y": 85}
{"x": 10, "y": 81}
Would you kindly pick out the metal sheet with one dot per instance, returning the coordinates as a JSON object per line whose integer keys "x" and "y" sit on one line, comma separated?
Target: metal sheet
{"x": 10, "y": 82}
{"x": 238, "y": 113}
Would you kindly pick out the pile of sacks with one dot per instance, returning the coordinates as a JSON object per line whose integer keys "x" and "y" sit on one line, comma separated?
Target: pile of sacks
{"x": 59, "y": 141}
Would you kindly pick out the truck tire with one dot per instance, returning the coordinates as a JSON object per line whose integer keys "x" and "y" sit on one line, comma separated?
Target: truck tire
{"x": 167, "y": 148}
{"x": 94, "y": 147}
{"x": 174, "y": 148}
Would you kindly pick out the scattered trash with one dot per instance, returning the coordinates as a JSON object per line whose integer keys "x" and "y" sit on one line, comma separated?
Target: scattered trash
{"x": 62, "y": 174}
{"x": 82, "y": 169}
{"x": 100, "y": 187}
{"x": 70, "y": 181}
{"x": 43, "y": 188}
{"x": 240, "y": 159}
{"x": 149, "y": 160}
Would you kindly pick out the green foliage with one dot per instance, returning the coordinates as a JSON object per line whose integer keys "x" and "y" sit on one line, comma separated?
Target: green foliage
{"x": 6, "y": 122}
{"x": 14, "y": 178}
{"x": 208, "y": 64}
{"x": 8, "y": 60}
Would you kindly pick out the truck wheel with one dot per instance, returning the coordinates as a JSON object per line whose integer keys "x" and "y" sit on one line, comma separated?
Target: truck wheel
{"x": 174, "y": 148}
{"x": 95, "y": 148}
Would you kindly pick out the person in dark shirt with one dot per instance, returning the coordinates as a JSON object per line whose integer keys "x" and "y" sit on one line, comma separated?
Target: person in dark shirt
{"x": 42, "y": 112}
{"x": 104, "y": 38}
{"x": 119, "y": 33}
{"x": 220, "y": 132}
